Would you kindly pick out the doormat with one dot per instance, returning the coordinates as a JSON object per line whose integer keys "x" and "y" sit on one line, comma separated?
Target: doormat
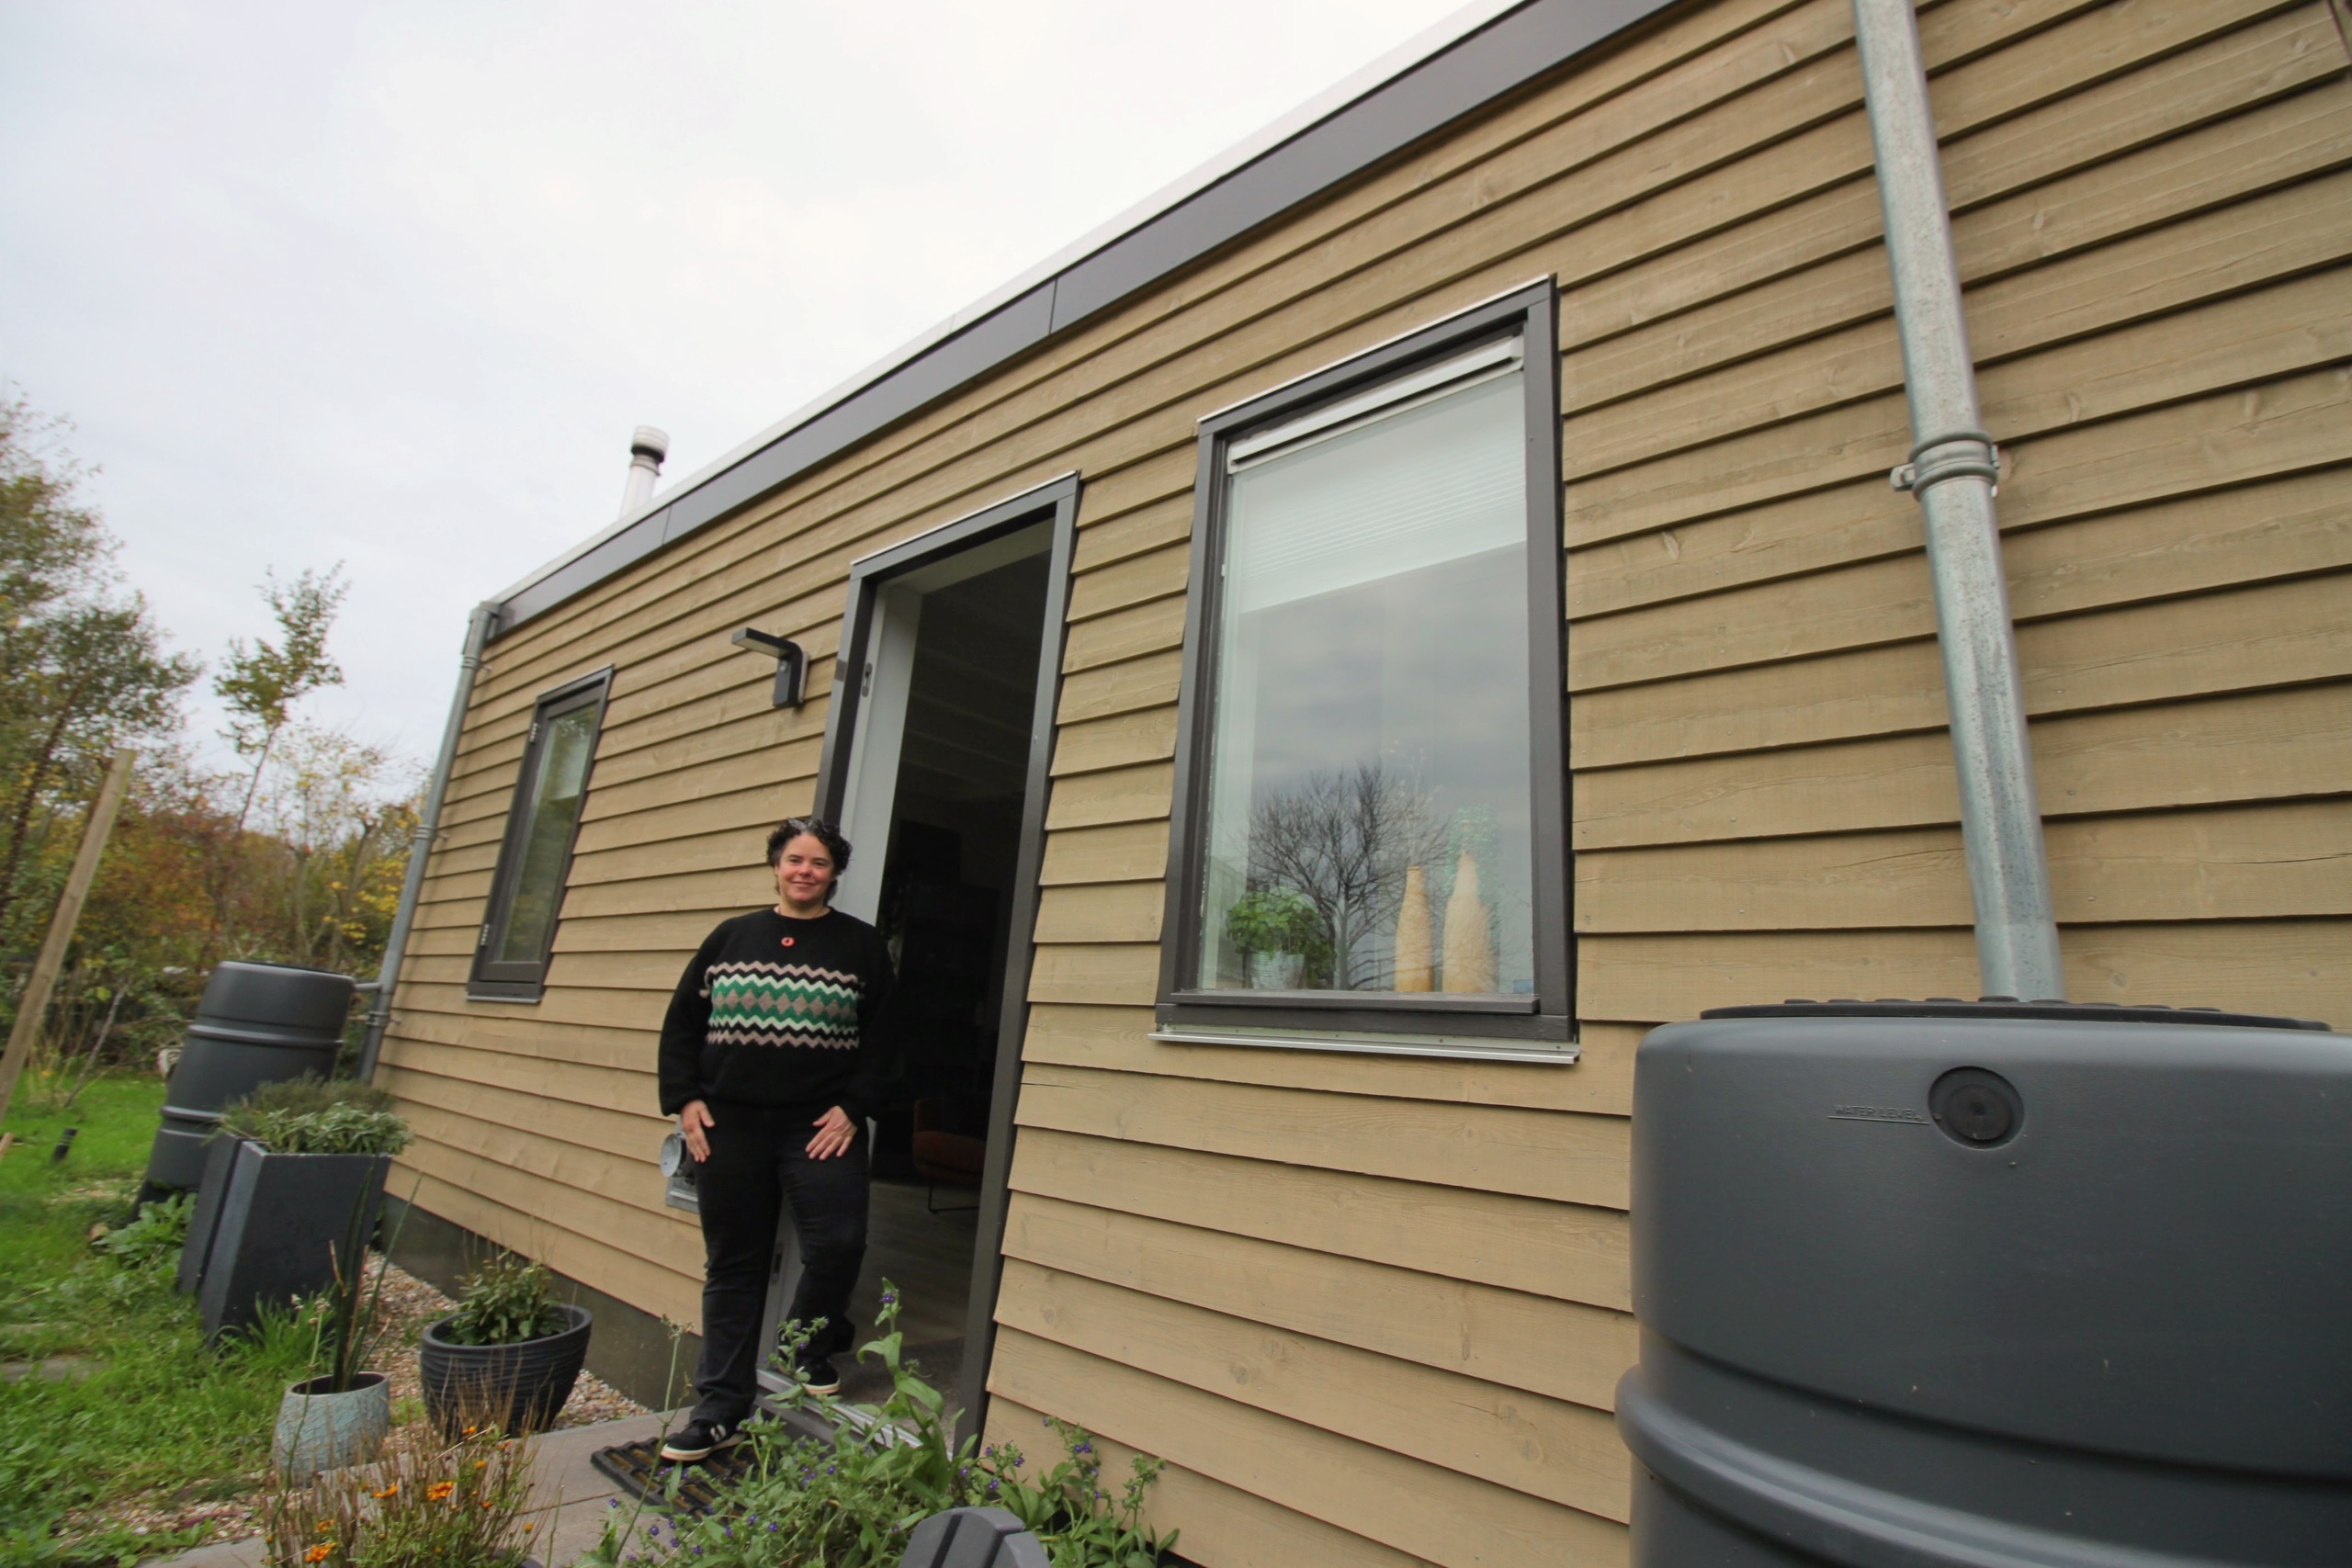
{"x": 640, "y": 1470}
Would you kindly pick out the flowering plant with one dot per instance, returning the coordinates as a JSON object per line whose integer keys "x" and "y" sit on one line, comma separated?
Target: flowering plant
{"x": 852, "y": 1502}
{"x": 422, "y": 1505}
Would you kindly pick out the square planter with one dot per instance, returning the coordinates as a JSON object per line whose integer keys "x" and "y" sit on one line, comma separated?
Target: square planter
{"x": 219, "y": 1155}
{"x": 279, "y": 1221}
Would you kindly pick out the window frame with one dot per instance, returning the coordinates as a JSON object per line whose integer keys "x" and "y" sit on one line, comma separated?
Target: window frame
{"x": 516, "y": 982}
{"x": 1439, "y": 1022}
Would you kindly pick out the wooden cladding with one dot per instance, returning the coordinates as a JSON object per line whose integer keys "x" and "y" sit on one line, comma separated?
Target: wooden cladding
{"x": 1373, "y": 1310}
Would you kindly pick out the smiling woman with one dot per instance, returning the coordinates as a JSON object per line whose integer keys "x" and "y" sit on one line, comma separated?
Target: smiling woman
{"x": 770, "y": 1033}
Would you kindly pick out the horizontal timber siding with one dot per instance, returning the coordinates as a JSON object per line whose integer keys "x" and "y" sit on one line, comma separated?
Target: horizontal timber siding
{"x": 1371, "y": 1310}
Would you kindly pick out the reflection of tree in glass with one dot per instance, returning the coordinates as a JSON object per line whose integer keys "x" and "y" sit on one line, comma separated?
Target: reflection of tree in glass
{"x": 1343, "y": 837}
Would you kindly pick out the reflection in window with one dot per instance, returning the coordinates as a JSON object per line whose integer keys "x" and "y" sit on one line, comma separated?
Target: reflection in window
{"x": 1368, "y": 800}
{"x": 557, "y": 790}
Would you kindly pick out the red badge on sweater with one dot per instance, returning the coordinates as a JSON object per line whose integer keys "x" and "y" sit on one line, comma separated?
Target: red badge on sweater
{"x": 788, "y": 941}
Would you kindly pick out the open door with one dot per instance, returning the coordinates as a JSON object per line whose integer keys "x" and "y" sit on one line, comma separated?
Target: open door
{"x": 937, "y": 752}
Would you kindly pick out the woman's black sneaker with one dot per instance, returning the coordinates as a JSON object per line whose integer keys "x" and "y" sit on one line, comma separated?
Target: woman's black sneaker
{"x": 815, "y": 1373}
{"x": 699, "y": 1438}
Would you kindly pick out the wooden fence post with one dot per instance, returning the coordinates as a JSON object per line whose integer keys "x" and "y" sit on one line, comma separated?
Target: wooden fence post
{"x": 43, "y": 980}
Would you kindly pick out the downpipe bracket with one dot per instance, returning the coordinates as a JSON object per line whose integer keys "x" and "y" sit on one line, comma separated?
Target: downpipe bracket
{"x": 1917, "y": 477}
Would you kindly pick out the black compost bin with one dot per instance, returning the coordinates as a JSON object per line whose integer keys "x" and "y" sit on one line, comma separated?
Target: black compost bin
{"x": 258, "y": 1023}
{"x": 1991, "y": 1283}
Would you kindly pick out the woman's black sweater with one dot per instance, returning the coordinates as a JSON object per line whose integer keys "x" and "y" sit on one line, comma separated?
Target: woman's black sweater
{"x": 778, "y": 1011}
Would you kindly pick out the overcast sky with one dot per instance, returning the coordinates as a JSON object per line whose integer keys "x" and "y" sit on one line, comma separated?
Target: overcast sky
{"x": 391, "y": 285}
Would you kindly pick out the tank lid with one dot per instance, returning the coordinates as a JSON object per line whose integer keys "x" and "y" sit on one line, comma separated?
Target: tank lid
{"x": 2011, "y": 1007}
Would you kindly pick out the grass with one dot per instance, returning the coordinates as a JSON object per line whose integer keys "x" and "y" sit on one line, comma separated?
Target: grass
{"x": 147, "y": 1415}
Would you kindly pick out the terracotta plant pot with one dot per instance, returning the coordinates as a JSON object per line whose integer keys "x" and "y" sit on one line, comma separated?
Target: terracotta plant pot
{"x": 317, "y": 1431}
{"x": 523, "y": 1387}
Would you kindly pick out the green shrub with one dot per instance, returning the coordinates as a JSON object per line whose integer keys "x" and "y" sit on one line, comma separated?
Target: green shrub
{"x": 852, "y": 1502}
{"x": 507, "y": 1301}
{"x": 317, "y": 1116}
{"x": 154, "y": 1238}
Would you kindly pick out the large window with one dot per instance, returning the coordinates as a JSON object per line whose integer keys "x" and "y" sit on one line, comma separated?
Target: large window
{"x": 1370, "y": 812}
{"x": 527, "y": 894}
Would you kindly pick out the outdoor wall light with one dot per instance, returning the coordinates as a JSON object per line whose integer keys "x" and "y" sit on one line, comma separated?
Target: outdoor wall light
{"x": 791, "y": 663}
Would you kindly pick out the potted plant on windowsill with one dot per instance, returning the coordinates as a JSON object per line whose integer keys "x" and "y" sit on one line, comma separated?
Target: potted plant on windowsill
{"x": 510, "y": 1353}
{"x": 299, "y": 1164}
{"x": 1282, "y": 930}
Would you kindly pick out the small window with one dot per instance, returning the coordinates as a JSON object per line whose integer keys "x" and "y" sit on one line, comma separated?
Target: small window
{"x": 1370, "y": 815}
{"x": 527, "y": 894}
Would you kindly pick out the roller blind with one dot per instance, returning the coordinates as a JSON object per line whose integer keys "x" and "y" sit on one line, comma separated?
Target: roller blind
{"x": 1432, "y": 480}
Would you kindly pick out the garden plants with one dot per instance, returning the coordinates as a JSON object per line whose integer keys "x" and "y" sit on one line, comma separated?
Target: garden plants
{"x": 338, "y": 1415}
{"x": 426, "y": 1502}
{"x": 306, "y": 1166}
{"x": 116, "y": 1413}
{"x": 853, "y": 1501}
{"x": 317, "y": 1116}
{"x": 511, "y": 1349}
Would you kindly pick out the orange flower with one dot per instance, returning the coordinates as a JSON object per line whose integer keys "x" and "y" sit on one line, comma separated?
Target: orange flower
{"x": 320, "y": 1552}
{"x": 325, "y": 1525}
{"x": 528, "y": 1529}
{"x": 481, "y": 1463}
{"x": 439, "y": 1490}
{"x": 391, "y": 1490}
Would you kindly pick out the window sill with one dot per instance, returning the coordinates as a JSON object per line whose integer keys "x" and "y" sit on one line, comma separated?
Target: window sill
{"x": 1404, "y": 1003}
{"x": 505, "y": 991}
{"x": 1563, "y": 1055}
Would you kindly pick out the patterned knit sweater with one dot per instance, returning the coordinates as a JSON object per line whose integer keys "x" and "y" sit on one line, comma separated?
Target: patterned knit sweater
{"x": 778, "y": 1011}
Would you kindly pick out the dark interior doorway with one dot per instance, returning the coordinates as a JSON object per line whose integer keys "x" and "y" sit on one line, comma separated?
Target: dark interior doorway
{"x": 944, "y": 907}
{"x": 934, "y": 772}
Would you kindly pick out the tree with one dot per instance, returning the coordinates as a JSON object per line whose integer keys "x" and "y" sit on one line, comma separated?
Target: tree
{"x": 339, "y": 813}
{"x": 83, "y": 667}
{"x": 261, "y": 684}
{"x": 1343, "y": 838}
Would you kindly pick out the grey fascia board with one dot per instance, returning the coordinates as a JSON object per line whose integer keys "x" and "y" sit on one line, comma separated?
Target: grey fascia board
{"x": 1474, "y": 57}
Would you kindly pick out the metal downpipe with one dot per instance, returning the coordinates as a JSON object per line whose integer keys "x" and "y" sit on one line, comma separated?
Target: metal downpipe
{"x": 1952, "y": 471}
{"x": 428, "y": 829}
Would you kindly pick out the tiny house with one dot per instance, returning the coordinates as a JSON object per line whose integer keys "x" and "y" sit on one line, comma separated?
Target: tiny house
{"x": 1314, "y": 672}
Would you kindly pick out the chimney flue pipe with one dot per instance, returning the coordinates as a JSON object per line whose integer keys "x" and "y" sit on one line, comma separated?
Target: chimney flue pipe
{"x": 646, "y": 450}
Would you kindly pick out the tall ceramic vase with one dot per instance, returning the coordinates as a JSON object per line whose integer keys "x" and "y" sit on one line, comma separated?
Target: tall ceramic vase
{"x": 1413, "y": 934}
{"x": 1469, "y": 943}
{"x": 317, "y": 1431}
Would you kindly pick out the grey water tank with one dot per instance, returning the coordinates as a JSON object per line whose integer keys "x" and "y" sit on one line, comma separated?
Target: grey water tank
{"x": 1991, "y": 1284}
{"x": 256, "y": 1023}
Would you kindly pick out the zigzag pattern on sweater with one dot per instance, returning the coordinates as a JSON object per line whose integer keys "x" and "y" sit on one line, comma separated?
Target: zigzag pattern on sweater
{"x": 766, "y": 1003}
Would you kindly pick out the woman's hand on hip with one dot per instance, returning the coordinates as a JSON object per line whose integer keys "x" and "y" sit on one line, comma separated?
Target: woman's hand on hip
{"x": 835, "y": 1132}
{"x": 692, "y": 1122}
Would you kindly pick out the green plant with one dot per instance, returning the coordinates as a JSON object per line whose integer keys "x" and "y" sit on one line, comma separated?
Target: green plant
{"x": 348, "y": 1321}
{"x": 509, "y": 1299}
{"x": 1070, "y": 1509}
{"x": 153, "y": 1238}
{"x": 1275, "y": 919}
{"x": 149, "y": 1414}
{"x": 852, "y": 1502}
{"x": 423, "y": 1503}
{"x": 317, "y": 1116}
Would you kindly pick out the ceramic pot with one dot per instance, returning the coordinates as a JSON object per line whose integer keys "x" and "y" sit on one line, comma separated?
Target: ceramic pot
{"x": 317, "y": 1431}
{"x": 1277, "y": 971}
{"x": 522, "y": 1386}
